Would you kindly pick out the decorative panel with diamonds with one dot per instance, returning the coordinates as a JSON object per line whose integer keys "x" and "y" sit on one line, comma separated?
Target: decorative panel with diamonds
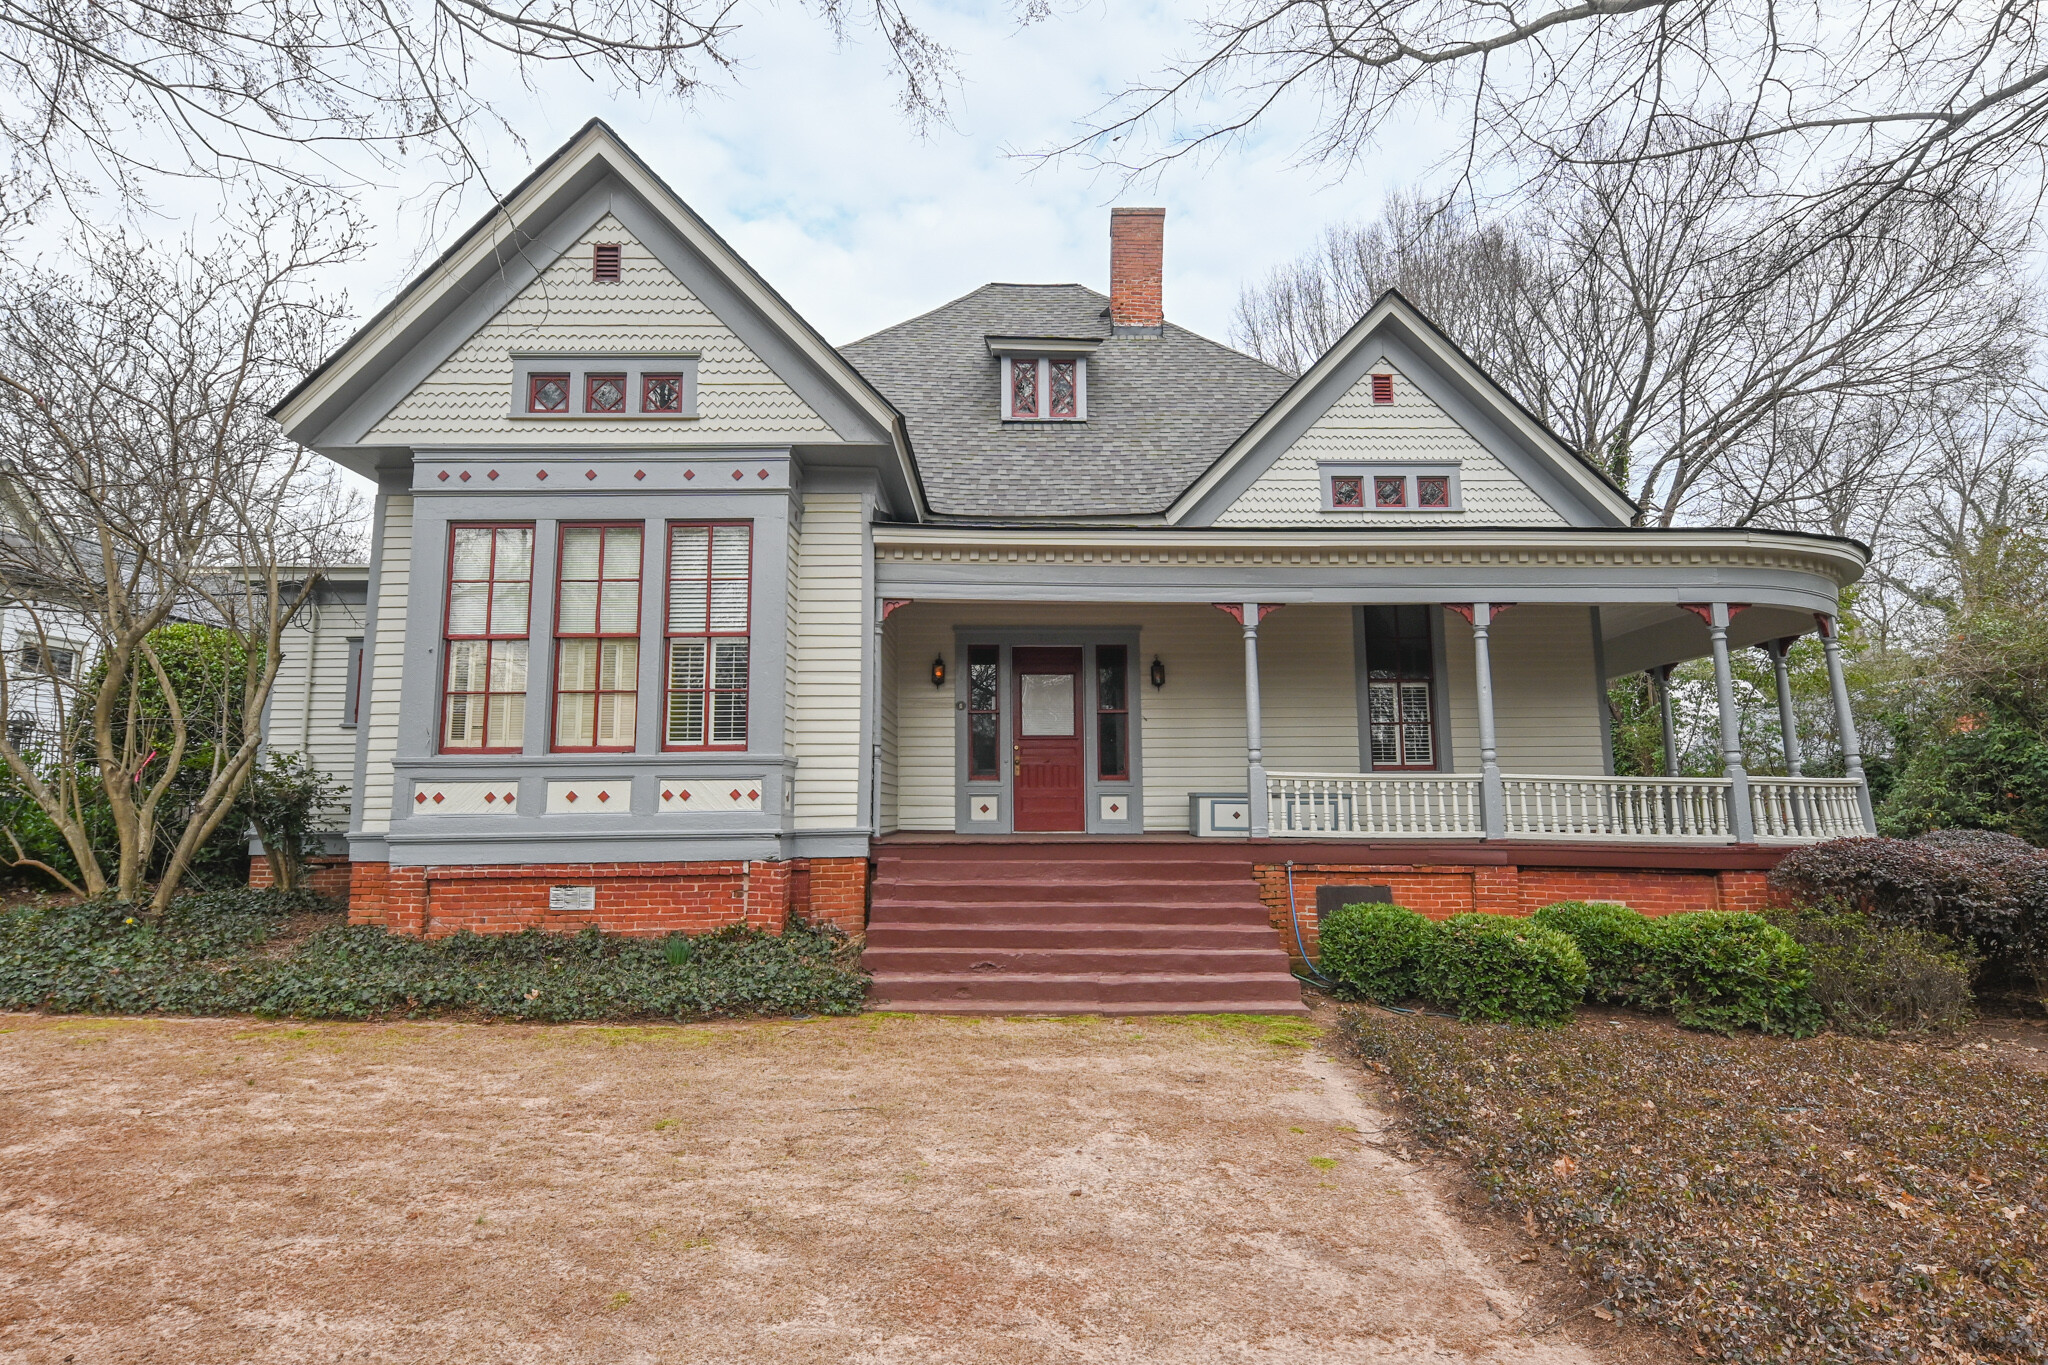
{"x": 466, "y": 798}
{"x": 983, "y": 807}
{"x": 591, "y": 795}
{"x": 1116, "y": 807}
{"x": 717, "y": 795}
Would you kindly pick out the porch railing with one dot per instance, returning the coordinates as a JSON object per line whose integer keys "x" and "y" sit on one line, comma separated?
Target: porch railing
{"x": 1802, "y": 809}
{"x": 1394, "y": 806}
{"x": 1659, "y": 808}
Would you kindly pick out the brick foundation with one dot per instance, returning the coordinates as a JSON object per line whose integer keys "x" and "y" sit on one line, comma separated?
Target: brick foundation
{"x": 1442, "y": 890}
{"x": 327, "y": 876}
{"x": 631, "y": 898}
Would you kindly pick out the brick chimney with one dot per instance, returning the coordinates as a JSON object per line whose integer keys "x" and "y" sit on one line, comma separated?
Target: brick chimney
{"x": 1137, "y": 257}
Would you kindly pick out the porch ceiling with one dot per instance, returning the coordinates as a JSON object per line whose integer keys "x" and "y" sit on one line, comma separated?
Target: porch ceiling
{"x": 1637, "y": 636}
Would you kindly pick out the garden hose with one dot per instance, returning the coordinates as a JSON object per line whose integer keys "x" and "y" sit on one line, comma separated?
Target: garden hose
{"x": 1294, "y": 918}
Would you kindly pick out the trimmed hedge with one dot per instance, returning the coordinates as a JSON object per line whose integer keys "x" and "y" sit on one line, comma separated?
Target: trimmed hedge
{"x": 1502, "y": 969}
{"x": 107, "y": 957}
{"x": 1877, "y": 979}
{"x": 1375, "y": 950}
{"x": 1614, "y": 940}
{"x": 1721, "y": 971}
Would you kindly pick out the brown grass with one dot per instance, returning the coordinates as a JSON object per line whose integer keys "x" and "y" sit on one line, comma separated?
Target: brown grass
{"x": 872, "y": 1189}
{"x": 1826, "y": 1200}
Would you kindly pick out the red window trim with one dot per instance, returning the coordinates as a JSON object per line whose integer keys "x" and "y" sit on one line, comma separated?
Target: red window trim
{"x": 590, "y": 382}
{"x": 647, "y": 378}
{"x": 668, "y": 588}
{"x": 448, "y": 655}
{"x": 555, "y": 744}
{"x": 1358, "y": 479}
{"x": 533, "y": 383}
{"x": 1073, "y": 389}
{"x": 1402, "y": 505}
{"x": 1010, "y": 389}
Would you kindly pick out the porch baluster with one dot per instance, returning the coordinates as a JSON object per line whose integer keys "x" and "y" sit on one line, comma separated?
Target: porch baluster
{"x": 1845, "y": 722}
{"x": 1731, "y": 728}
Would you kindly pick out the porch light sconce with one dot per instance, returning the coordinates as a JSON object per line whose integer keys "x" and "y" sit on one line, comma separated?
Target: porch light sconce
{"x": 939, "y": 671}
{"x": 1158, "y": 672}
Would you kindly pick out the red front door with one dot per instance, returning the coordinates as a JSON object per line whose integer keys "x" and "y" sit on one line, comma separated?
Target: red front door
{"x": 1047, "y": 790}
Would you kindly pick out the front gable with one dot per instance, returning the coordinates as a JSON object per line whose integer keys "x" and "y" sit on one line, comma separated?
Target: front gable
{"x": 1437, "y": 416}
{"x": 470, "y": 397}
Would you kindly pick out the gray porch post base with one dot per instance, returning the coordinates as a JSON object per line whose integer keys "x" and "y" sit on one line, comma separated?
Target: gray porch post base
{"x": 1493, "y": 815}
{"x": 1255, "y": 754}
{"x": 1731, "y": 729}
{"x": 1660, "y": 679}
{"x": 1787, "y": 726}
{"x": 1845, "y": 722}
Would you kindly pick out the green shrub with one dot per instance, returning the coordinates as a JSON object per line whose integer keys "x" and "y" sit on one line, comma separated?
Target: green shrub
{"x": 197, "y": 958}
{"x": 1876, "y": 979}
{"x": 1374, "y": 950}
{"x": 1728, "y": 971}
{"x": 1614, "y": 940}
{"x": 1503, "y": 969}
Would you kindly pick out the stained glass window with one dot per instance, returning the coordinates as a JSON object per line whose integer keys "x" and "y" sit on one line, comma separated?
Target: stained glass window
{"x": 709, "y": 568}
{"x": 1432, "y": 492}
{"x": 1390, "y": 490}
{"x": 1064, "y": 392}
{"x": 1400, "y": 667}
{"x": 1024, "y": 388}
{"x": 490, "y": 582}
{"x": 604, "y": 393}
{"x": 1347, "y": 490}
{"x": 661, "y": 393}
{"x": 547, "y": 393}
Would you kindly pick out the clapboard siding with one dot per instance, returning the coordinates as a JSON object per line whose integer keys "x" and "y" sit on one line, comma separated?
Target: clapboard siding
{"x": 1308, "y": 690}
{"x": 827, "y": 640}
{"x": 309, "y": 700}
{"x": 385, "y": 663}
{"x": 469, "y": 396}
{"x": 1411, "y": 429}
{"x": 886, "y": 726}
{"x": 1546, "y": 707}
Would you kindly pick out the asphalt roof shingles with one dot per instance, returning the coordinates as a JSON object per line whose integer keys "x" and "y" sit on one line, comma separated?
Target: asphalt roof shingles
{"x": 1160, "y": 408}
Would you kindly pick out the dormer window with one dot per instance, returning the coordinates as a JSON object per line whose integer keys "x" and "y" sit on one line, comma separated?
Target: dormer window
{"x": 1044, "y": 379}
{"x": 1393, "y": 489}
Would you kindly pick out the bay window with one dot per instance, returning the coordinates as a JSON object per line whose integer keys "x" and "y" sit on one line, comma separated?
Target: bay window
{"x": 490, "y": 586}
{"x": 597, "y": 637}
{"x": 709, "y": 570}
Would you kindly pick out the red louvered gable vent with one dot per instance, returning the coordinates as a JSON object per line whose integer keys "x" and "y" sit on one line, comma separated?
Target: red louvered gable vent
{"x": 604, "y": 263}
{"x": 1383, "y": 388}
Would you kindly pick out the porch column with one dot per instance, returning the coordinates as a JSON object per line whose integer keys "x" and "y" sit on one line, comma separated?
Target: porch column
{"x": 1845, "y": 723}
{"x": 1492, "y": 801}
{"x": 1787, "y": 727}
{"x": 1255, "y": 754}
{"x": 1660, "y": 678}
{"x": 1731, "y": 728}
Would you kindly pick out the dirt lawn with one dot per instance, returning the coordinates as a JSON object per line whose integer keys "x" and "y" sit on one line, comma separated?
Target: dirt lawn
{"x": 875, "y": 1189}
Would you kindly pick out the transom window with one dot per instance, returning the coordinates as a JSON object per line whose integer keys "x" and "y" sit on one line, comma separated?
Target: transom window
{"x": 547, "y": 393}
{"x": 1390, "y": 488}
{"x": 1045, "y": 389}
{"x": 709, "y": 571}
{"x": 490, "y": 587}
{"x": 661, "y": 393}
{"x": 604, "y": 393}
{"x": 597, "y": 637}
{"x": 1400, "y": 673}
{"x": 611, "y": 387}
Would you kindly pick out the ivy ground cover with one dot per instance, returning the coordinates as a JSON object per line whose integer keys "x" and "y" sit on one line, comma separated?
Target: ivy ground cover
{"x": 1824, "y": 1200}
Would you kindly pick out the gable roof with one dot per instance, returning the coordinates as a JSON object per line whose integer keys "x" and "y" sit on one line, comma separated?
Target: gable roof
{"x": 1395, "y": 329}
{"x": 334, "y": 408}
{"x": 1160, "y": 409}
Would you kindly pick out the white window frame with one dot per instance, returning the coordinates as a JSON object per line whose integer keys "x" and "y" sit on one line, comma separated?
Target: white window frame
{"x": 1044, "y": 364}
{"x": 39, "y": 667}
{"x": 579, "y": 367}
{"x": 1327, "y": 473}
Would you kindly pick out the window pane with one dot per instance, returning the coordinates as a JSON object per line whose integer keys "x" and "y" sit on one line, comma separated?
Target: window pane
{"x": 1347, "y": 490}
{"x": 729, "y": 663}
{"x": 466, "y": 608}
{"x": 472, "y": 552}
{"x": 1386, "y": 735}
{"x": 1047, "y": 704}
{"x": 1390, "y": 491}
{"x": 981, "y": 677}
{"x": 1433, "y": 492}
{"x": 686, "y": 692}
{"x": 1109, "y": 677}
{"x": 1062, "y": 388}
{"x": 621, "y": 608}
{"x": 505, "y": 720}
{"x": 508, "y": 607}
{"x": 573, "y": 714}
{"x": 508, "y": 665}
{"x": 1024, "y": 388}
{"x": 515, "y": 553}
{"x": 622, "y": 552}
{"x": 457, "y": 733}
{"x": 1417, "y": 743}
{"x": 619, "y": 665}
{"x": 689, "y": 554}
{"x": 577, "y": 669}
{"x": 729, "y": 718}
{"x": 731, "y": 551}
{"x": 728, "y": 604}
{"x": 615, "y": 716}
{"x": 1413, "y": 658}
{"x": 579, "y": 551}
{"x": 578, "y": 609}
{"x": 981, "y": 745}
{"x": 1111, "y": 743}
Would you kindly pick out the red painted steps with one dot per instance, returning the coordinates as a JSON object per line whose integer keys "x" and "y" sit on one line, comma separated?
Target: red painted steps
{"x": 1080, "y": 928}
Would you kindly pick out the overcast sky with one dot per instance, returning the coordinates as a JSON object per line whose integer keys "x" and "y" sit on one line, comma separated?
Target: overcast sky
{"x": 803, "y": 163}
